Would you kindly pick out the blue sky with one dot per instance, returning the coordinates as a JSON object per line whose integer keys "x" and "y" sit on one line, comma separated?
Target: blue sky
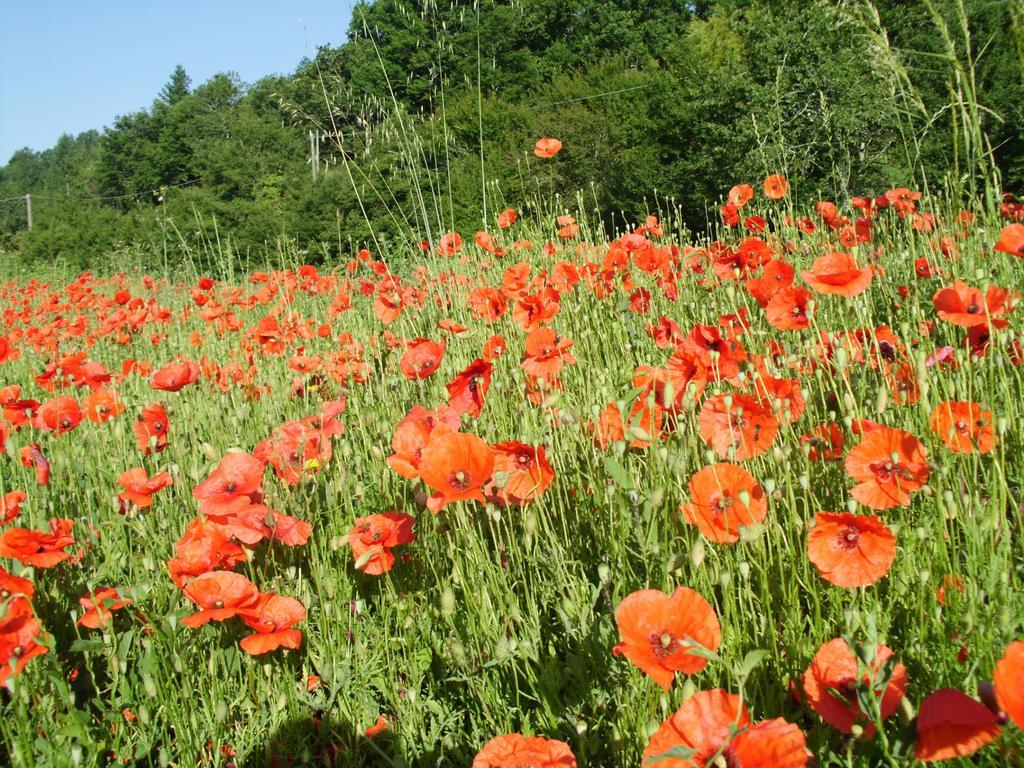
{"x": 69, "y": 66}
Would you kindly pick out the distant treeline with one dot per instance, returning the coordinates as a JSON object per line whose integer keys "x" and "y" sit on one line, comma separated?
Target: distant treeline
{"x": 429, "y": 111}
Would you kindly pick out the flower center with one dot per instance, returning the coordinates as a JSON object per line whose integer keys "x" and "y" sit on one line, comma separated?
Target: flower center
{"x": 459, "y": 480}
{"x": 848, "y": 537}
{"x": 664, "y": 643}
{"x": 724, "y": 503}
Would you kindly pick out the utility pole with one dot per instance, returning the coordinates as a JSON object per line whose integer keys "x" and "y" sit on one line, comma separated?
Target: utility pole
{"x": 28, "y": 209}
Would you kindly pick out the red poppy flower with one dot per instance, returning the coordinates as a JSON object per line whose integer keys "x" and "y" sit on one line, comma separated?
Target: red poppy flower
{"x": 10, "y": 505}
{"x": 373, "y": 537}
{"x": 139, "y": 488}
{"x": 507, "y": 218}
{"x": 738, "y": 424}
{"x": 15, "y": 585}
{"x": 837, "y": 273}
{"x": 775, "y": 276}
{"x": 850, "y": 550}
{"x": 608, "y": 427}
{"x": 102, "y": 405}
{"x": 524, "y": 471}
{"x": 175, "y": 376}
{"x": 494, "y": 348}
{"x": 1011, "y": 240}
{"x": 151, "y": 429}
{"x": 546, "y": 352}
{"x": 19, "y": 630}
{"x": 787, "y": 309}
{"x": 205, "y": 546}
{"x": 962, "y": 305}
{"x": 236, "y": 483}
{"x": 776, "y": 186}
{"x": 714, "y": 728}
{"x": 219, "y": 595}
{"x": 888, "y": 465}
{"x": 456, "y": 466}
{"x": 1009, "y": 682}
{"x": 294, "y": 450}
{"x": 951, "y": 724}
{"x": 487, "y": 304}
{"x": 379, "y": 726}
{"x": 724, "y": 497}
{"x": 517, "y": 751}
{"x": 58, "y": 415}
{"x": 964, "y": 427}
{"x": 741, "y": 194}
{"x": 449, "y": 244}
{"x": 274, "y": 618}
{"x": 659, "y": 631}
{"x": 902, "y": 199}
{"x": 32, "y": 456}
{"x": 466, "y": 392}
{"x": 99, "y": 607}
{"x": 833, "y": 680}
{"x": 38, "y": 548}
{"x": 722, "y": 357}
{"x": 546, "y": 148}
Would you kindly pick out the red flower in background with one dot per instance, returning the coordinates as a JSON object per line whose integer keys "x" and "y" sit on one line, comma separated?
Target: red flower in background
{"x": 175, "y": 376}
{"x": 151, "y": 429}
{"x": 274, "y": 618}
{"x": 466, "y": 392}
{"x": 888, "y": 465}
{"x": 724, "y": 497}
{"x": 522, "y": 472}
{"x": 422, "y": 358}
{"x": 833, "y": 680}
{"x": 139, "y": 487}
{"x": 951, "y": 724}
{"x": 99, "y": 607}
{"x": 547, "y": 148}
{"x": 517, "y": 751}
{"x": 219, "y": 595}
{"x": 716, "y": 724}
{"x": 10, "y": 505}
{"x": 39, "y": 548}
{"x": 58, "y": 415}
{"x": 373, "y": 537}
{"x": 456, "y": 466}
{"x": 659, "y": 631}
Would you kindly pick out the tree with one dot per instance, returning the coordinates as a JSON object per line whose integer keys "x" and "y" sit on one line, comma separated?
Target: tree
{"x": 177, "y": 87}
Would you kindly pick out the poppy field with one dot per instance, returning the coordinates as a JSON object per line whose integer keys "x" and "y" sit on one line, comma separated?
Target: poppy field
{"x": 528, "y": 497}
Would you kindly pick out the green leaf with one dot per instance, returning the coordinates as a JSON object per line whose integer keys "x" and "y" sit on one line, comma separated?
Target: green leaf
{"x": 676, "y": 753}
{"x": 87, "y": 646}
{"x": 618, "y": 473}
{"x": 750, "y": 663}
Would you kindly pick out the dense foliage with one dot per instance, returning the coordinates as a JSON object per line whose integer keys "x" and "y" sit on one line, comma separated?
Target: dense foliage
{"x": 429, "y": 112}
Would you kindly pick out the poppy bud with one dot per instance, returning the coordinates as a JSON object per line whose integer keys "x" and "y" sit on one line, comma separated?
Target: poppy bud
{"x": 698, "y": 553}
{"x": 689, "y": 688}
{"x": 882, "y": 400}
{"x": 447, "y": 602}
